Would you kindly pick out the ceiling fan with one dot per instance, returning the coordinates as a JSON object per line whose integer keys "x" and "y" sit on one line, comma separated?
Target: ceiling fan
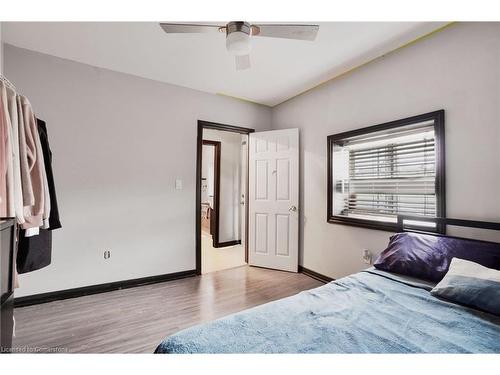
{"x": 238, "y": 34}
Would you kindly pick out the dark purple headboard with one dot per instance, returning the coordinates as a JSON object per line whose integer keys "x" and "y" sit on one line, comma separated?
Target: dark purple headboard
{"x": 428, "y": 255}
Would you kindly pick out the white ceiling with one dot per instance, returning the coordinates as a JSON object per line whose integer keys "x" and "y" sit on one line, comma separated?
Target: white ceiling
{"x": 280, "y": 69}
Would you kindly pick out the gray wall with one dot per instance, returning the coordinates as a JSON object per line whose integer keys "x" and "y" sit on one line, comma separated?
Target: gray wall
{"x": 456, "y": 69}
{"x": 119, "y": 142}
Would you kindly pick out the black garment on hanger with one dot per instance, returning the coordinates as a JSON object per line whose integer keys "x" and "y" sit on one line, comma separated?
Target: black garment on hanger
{"x": 54, "y": 222}
{"x": 35, "y": 252}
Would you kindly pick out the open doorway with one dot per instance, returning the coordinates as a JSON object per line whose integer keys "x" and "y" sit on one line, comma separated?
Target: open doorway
{"x": 222, "y": 191}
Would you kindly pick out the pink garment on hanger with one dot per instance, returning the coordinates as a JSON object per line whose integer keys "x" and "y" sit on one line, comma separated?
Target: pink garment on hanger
{"x": 4, "y": 151}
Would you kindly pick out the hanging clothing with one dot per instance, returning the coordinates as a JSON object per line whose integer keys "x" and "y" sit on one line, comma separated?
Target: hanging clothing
{"x": 35, "y": 252}
{"x": 8, "y": 208}
{"x": 27, "y": 189}
{"x": 54, "y": 222}
{"x": 46, "y": 193}
{"x": 4, "y": 144}
{"x": 33, "y": 214}
{"x": 17, "y": 184}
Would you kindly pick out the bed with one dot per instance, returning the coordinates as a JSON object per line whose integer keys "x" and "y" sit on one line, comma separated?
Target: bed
{"x": 428, "y": 293}
{"x": 372, "y": 311}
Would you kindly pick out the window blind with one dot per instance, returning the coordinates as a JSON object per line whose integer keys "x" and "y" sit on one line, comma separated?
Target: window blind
{"x": 395, "y": 176}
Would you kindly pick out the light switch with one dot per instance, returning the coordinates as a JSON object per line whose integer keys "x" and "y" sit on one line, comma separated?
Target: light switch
{"x": 178, "y": 184}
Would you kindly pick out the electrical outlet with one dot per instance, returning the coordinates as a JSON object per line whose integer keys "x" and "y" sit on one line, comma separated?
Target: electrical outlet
{"x": 367, "y": 256}
{"x": 107, "y": 254}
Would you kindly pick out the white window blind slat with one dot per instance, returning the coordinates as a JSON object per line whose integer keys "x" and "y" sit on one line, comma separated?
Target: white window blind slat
{"x": 392, "y": 178}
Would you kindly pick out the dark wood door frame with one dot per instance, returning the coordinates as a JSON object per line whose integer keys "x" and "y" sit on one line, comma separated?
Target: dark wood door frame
{"x": 199, "y": 150}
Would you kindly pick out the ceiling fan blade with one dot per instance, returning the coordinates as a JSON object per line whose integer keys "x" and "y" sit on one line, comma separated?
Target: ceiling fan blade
{"x": 173, "y": 28}
{"x": 301, "y": 32}
{"x": 242, "y": 62}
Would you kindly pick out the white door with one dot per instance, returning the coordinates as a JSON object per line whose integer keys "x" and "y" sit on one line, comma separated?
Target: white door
{"x": 273, "y": 239}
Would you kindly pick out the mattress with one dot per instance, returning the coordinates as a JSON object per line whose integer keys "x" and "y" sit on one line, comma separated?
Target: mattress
{"x": 368, "y": 312}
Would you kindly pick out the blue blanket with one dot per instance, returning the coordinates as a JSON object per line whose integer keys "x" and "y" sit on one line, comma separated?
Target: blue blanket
{"x": 369, "y": 312}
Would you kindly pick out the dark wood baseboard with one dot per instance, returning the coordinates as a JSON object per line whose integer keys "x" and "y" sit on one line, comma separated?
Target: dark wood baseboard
{"x": 227, "y": 243}
{"x": 100, "y": 288}
{"x": 315, "y": 275}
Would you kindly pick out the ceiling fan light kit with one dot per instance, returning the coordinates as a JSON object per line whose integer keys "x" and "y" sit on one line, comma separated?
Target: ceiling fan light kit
{"x": 238, "y": 35}
{"x": 238, "y": 38}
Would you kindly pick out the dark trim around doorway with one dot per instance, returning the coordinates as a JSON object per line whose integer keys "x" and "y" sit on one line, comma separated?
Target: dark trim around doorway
{"x": 199, "y": 147}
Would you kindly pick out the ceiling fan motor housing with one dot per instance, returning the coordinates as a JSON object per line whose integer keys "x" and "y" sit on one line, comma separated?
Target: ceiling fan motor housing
{"x": 238, "y": 37}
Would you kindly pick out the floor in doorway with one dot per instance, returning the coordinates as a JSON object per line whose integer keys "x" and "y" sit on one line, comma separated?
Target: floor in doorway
{"x": 217, "y": 259}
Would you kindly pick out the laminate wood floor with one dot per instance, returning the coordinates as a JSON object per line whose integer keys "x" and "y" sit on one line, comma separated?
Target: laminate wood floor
{"x": 136, "y": 320}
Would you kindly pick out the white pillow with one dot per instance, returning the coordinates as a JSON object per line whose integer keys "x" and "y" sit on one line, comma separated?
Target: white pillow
{"x": 471, "y": 284}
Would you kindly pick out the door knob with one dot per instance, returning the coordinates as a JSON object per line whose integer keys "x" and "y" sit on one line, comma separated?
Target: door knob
{"x": 292, "y": 208}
